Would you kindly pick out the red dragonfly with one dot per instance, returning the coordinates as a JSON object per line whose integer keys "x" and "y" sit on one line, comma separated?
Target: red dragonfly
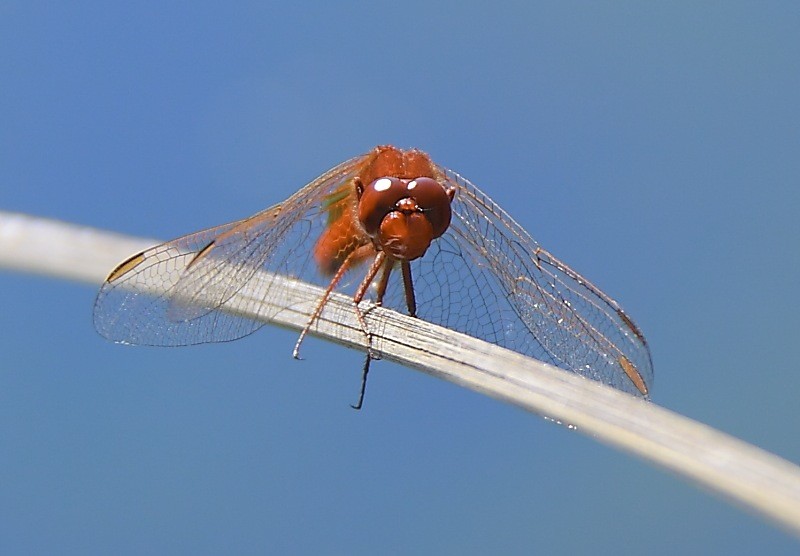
{"x": 418, "y": 237}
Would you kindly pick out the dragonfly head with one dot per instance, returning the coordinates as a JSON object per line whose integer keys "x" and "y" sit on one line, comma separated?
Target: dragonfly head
{"x": 403, "y": 216}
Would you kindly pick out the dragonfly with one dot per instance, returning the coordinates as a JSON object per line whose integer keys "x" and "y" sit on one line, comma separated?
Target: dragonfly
{"x": 393, "y": 228}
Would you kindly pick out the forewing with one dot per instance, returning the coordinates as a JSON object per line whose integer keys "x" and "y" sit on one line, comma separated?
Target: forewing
{"x": 487, "y": 277}
{"x": 183, "y": 292}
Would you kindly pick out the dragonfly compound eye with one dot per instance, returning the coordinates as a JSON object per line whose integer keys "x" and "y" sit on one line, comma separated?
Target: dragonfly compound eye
{"x": 433, "y": 201}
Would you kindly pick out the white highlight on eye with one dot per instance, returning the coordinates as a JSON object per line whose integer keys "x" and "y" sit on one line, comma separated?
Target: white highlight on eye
{"x": 412, "y": 184}
{"x": 383, "y": 184}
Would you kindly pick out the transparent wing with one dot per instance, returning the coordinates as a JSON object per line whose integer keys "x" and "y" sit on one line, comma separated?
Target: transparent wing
{"x": 182, "y": 292}
{"x": 487, "y": 277}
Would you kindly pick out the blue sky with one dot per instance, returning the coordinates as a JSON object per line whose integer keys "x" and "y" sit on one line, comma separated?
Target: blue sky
{"x": 654, "y": 148}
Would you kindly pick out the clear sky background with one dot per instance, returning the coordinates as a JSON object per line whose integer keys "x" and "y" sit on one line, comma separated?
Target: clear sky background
{"x": 654, "y": 148}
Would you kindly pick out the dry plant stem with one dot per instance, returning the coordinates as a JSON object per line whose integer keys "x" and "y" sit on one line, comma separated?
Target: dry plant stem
{"x": 750, "y": 477}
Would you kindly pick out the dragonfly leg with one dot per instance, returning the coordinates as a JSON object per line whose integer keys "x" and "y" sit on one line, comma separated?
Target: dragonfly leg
{"x": 380, "y": 261}
{"x": 364, "y": 374}
{"x": 408, "y": 286}
{"x": 318, "y": 311}
{"x": 384, "y": 281}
